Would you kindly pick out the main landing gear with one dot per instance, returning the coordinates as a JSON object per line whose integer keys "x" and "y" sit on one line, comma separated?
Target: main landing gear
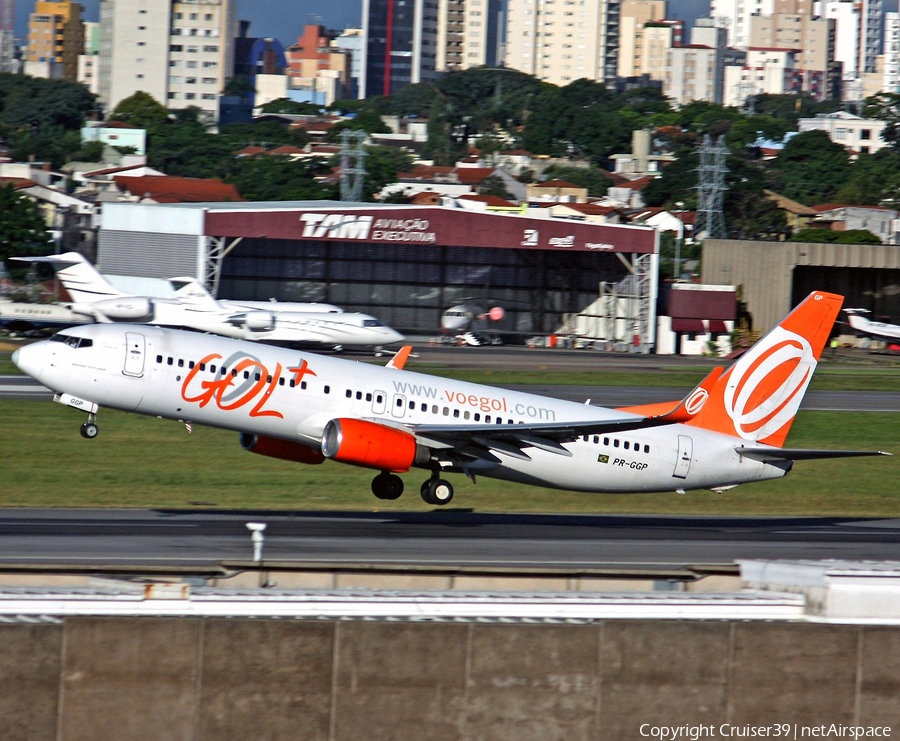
{"x": 434, "y": 491}
{"x": 387, "y": 486}
{"x": 437, "y": 491}
{"x": 89, "y": 429}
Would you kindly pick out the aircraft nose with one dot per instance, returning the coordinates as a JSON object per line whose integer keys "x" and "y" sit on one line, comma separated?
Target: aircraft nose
{"x": 393, "y": 336}
{"x": 28, "y": 360}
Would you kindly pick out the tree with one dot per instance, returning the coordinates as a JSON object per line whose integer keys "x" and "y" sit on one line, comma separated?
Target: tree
{"x": 89, "y": 152}
{"x": 678, "y": 182}
{"x": 850, "y": 236}
{"x": 366, "y": 120}
{"x": 493, "y": 185}
{"x": 41, "y": 104}
{"x": 293, "y": 107}
{"x": 874, "y": 179}
{"x": 23, "y": 231}
{"x": 594, "y": 179}
{"x": 382, "y": 166}
{"x": 811, "y": 168}
{"x": 276, "y": 179}
{"x": 140, "y": 111}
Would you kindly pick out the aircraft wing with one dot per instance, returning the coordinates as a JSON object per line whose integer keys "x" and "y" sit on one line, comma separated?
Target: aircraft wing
{"x": 795, "y": 454}
{"x": 478, "y": 441}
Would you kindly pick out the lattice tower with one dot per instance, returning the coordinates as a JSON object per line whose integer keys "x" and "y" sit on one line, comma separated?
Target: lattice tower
{"x": 711, "y": 189}
{"x": 353, "y": 165}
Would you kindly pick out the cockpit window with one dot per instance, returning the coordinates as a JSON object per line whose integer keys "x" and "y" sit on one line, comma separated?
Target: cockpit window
{"x": 372, "y": 323}
{"x": 71, "y": 341}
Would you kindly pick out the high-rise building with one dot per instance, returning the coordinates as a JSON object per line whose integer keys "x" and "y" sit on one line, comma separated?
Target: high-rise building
{"x": 56, "y": 36}
{"x": 400, "y": 45}
{"x": 181, "y": 53}
{"x": 470, "y": 33}
{"x": 561, "y": 42}
{"x": 734, "y": 16}
{"x": 656, "y": 41}
{"x": 812, "y": 39}
{"x": 89, "y": 59}
{"x": 891, "y": 82}
{"x": 633, "y": 17}
{"x": 696, "y": 71}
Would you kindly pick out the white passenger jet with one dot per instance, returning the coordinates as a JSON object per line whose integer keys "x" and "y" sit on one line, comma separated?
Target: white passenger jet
{"x": 308, "y": 408}
{"x": 193, "y": 307}
{"x": 878, "y": 330}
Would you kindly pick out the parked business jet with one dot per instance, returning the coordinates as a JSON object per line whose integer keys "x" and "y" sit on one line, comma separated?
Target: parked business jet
{"x": 308, "y": 408}
{"x": 878, "y": 330}
{"x": 193, "y": 307}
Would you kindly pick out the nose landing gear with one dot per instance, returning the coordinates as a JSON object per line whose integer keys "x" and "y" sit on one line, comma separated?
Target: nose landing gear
{"x": 89, "y": 429}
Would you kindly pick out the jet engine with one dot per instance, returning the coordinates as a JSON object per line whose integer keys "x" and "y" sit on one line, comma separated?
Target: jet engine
{"x": 124, "y": 309}
{"x": 372, "y": 445}
{"x": 283, "y": 449}
{"x": 259, "y": 321}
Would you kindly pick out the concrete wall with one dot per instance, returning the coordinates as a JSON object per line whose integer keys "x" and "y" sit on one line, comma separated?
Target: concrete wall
{"x": 132, "y": 679}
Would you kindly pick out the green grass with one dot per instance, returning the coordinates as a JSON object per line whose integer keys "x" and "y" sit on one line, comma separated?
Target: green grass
{"x": 147, "y": 462}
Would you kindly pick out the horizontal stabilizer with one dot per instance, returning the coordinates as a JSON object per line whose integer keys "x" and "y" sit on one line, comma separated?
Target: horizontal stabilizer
{"x": 788, "y": 454}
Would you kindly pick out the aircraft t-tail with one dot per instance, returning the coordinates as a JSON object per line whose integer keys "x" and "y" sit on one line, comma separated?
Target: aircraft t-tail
{"x": 191, "y": 306}
{"x": 308, "y": 408}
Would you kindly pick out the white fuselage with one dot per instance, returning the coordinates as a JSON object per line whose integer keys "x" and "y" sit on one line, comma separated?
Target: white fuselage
{"x": 292, "y": 395}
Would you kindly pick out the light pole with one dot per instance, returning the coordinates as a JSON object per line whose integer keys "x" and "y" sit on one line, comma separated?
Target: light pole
{"x": 678, "y": 239}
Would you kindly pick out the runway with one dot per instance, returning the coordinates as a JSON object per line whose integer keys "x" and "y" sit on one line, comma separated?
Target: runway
{"x": 441, "y": 538}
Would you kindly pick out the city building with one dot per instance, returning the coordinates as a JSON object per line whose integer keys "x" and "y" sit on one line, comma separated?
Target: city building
{"x": 696, "y": 71}
{"x": 813, "y": 38}
{"x": 633, "y": 18}
{"x": 89, "y": 59}
{"x": 400, "y": 45}
{"x": 561, "y": 42}
{"x": 657, "y": 38}
{"x": 734, "y": 16}
{"x": 891, "y": 72}
{"x": 55, "y": 37}
{"x": 181, "y": 53}
{"x": 470, "y": 34}
{"x": 858, "y": 134}
{"x": 317, "y": 67}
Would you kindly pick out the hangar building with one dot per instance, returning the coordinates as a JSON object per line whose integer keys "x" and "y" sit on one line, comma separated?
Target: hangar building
{"x": 776, "y": 276}
{"x": 403, "y": 264}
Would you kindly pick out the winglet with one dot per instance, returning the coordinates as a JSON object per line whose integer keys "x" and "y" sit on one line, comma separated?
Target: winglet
{"x": 757, "y": 398}
{"x": 399, "y": 359}
{"x": 684, "y": 410}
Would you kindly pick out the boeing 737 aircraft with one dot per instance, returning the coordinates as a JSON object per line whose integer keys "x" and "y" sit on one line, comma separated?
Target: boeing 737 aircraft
{"x": 308, "y": 408}
{"x": 193, "y": 307}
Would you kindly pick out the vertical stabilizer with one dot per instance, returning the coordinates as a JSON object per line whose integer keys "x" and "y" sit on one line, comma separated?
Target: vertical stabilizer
{"x": 81, "y": 280}
{"x": 757, "y": 398}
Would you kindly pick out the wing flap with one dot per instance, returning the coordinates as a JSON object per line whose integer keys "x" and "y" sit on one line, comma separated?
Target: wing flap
{"x": 789, "y": 454}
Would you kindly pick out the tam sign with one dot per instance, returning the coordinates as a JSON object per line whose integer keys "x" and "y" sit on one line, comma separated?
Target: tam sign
{"x": 350, "y": 226}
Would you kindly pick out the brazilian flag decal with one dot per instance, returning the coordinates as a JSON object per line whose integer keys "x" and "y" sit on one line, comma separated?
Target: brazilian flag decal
{"x": 602, "y": 458}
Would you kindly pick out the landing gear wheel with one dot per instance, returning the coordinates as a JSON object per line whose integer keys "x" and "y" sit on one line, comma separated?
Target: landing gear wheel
{"x": 387, "y": 486}
{"x": 89, "y": 430}
{"x": 437, "y": 491}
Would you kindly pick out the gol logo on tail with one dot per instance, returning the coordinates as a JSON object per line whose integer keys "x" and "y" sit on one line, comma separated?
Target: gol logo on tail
{"x": 766, "y": 386}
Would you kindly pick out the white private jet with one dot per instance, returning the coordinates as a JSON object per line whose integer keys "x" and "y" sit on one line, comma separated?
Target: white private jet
{"x": 193, "y": 307}
{"x": 878, "y": 330}
{"x": 309, "y": 408}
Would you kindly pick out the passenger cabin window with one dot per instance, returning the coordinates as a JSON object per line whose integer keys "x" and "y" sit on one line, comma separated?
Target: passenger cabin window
{"x": 328, "y": 389}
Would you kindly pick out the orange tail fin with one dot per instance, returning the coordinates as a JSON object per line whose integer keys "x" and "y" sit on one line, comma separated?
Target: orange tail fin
{"x": 757, "y": 398}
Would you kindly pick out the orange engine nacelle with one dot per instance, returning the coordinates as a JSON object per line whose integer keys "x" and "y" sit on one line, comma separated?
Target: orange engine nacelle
{"x": 372, "y": 445}
{"x": 284, "y": 449}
